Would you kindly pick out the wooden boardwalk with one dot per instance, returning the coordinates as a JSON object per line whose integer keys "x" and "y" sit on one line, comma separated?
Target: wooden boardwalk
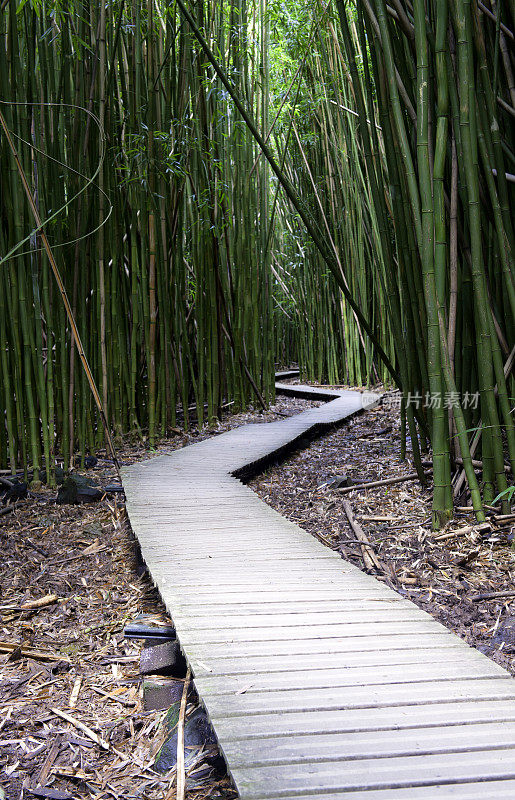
{"x": 321, "y": 683}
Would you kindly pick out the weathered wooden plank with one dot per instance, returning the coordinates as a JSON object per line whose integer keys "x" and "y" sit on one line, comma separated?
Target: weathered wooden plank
{"x": 354, "y": 644}
{"x": 303, "y": 391}
{"x": 301, "y": 597}
{"x": 351, "y": 720}
{"x": 478, "y": 790}
{"x": 257, "y": 581}
{"x": 380, "y": 773}
{"x": 375, "y": 660}
{"x": 228, "y": 705}
{"x": 210, "y": 580}
{"x": 244, "y": 553}
{"x": 231, "y": 609}
{"x": 327, "y": 747}
{"x": 175, "y": 517}
{"x": 325, "y": 677}
{"x": 187, "y": 596}
{"x": 222, "y": 561}
{"x": 192, "y": 621}
{"x": 266, "y": 583}
{"x": 294, "y": 633}
{"x": 247, "y": 577}
{"x": 286, "y": 373}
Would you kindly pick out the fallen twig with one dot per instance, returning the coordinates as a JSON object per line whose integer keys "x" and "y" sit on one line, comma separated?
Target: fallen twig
{"x": 74, "y": 696}
{"x": 386, "y": 482}
{"x": 470, "y": 509}
{"x": 181, "y": 772}
{"x": 484, "y": 526}
{"x": 12, "y": 507}
{"x": 491, "y": 596}
{"x": 479, "y": 464}
{"x": 76, "y": 774}
{"x": 84, "y": 728}
{"x": 41, "y": 602}
{"x": 49, "y": 761}
{"x": 130, "y": 703}
{"x": 30, "y": 652}
{"x": 369, "y": 556}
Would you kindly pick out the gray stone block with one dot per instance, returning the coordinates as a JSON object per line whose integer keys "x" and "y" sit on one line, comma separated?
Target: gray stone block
{"x": 161, "y": 693}
{"x": 162, "y": 659}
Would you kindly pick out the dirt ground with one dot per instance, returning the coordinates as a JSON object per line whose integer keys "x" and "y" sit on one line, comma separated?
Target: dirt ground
{"x": 68, "y": 675}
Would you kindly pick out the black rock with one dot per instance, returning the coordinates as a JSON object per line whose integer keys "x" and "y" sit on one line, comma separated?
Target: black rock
{"x": 198, "y": 734}
{"x": 89, "y": 462}
{"x": 337, "y": 482}
{"x": 113, "y": 488}
{"x": 78, "y": 489}
{"x": 60, "y": 475}
{"x": 161, "y": 693}
{"x": 13, "y": 489}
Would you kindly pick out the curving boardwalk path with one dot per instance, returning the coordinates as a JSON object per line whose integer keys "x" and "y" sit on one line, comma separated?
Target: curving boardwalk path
{"x": 321, "y": 683}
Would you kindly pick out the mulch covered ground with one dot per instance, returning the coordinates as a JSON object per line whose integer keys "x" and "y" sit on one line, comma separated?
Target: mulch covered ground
{"x": 71, "y": 713}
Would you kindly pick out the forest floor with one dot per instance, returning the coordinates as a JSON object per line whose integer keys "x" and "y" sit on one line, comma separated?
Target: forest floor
{"x": 70, "y": 657}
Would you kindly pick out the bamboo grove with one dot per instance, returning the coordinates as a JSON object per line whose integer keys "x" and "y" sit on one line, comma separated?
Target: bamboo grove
{"x": 232, "y": 184}
{"x": 148, "y": 250}
{"x": 443, "y": 80}
{"x": 426, "y": 181}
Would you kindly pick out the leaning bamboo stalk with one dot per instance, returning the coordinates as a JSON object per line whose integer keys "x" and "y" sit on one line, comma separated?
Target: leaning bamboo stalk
{"x": 62, "y": 289}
